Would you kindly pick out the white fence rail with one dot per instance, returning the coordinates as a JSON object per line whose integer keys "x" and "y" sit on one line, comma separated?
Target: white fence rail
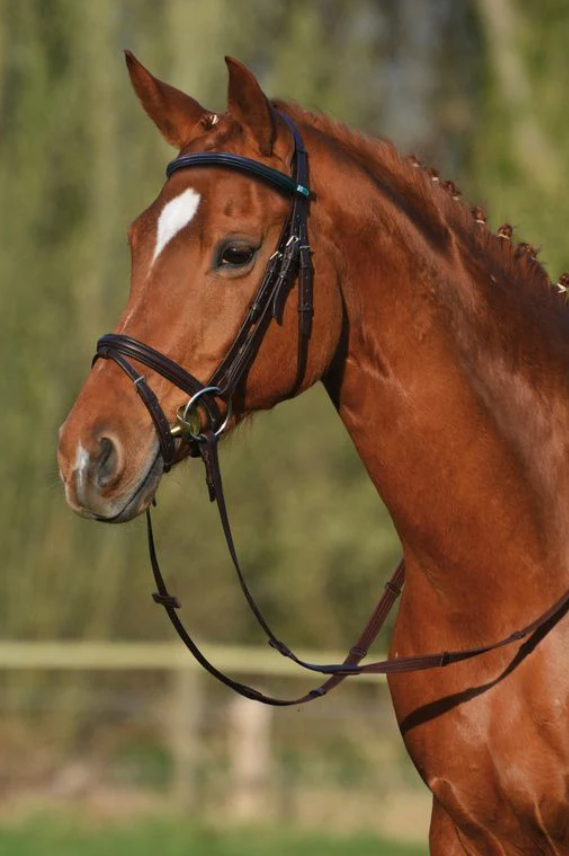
{"x": 249, "y": 725}
{"x": 160, "y": 655}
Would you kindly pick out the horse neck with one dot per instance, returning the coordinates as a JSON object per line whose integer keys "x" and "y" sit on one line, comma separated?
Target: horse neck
{"x": 452, "y": 421}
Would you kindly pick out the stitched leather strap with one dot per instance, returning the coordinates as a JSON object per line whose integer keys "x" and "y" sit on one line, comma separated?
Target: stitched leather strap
{"x": 292, "y": 185}
{"x": 117, "y": 347}
{"x": 337, "y": 673}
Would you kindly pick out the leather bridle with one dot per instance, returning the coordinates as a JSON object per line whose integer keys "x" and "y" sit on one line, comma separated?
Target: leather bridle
{"x": 292, "y": 258}
{"x": 292, "y": 255}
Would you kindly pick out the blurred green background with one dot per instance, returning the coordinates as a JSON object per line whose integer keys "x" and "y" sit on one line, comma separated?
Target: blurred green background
{"x": 477, "y": 89}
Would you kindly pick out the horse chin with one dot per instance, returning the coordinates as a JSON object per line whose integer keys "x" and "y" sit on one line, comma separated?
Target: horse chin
{"x": 124, "y": 508}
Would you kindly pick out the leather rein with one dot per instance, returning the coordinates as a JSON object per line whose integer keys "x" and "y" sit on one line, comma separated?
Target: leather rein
{"x": 291, "y": 259}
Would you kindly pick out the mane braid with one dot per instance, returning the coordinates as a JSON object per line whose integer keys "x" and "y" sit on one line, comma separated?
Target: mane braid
{"x": 439, "y": 203}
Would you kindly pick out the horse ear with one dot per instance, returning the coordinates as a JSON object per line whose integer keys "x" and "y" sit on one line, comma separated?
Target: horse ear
{"x": 172, "y": 111}
{"x": 248, "y": 104}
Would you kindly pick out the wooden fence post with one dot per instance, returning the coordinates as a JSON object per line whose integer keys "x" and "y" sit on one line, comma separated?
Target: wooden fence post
{"x": 251, "y": 794}
{"x": 183, "y": 724}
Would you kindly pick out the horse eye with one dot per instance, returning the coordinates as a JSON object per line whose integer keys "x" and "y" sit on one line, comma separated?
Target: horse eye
{"x": 235, "y": 256}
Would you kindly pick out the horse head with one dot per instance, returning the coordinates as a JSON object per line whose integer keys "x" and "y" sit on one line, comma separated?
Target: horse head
{"x": 199, "y": 253}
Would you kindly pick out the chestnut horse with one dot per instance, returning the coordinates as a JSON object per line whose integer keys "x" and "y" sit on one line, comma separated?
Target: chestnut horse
{"x": 445, "y": 350}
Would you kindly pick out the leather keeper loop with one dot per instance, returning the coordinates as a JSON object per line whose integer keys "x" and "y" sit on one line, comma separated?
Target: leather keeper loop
{"x": 170, "y": 601}
{"x": 391, "y": 587}
{"x": 358, "y": 652}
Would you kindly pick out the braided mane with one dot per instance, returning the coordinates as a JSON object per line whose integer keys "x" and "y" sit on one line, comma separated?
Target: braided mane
{"x": 439, "y": 204}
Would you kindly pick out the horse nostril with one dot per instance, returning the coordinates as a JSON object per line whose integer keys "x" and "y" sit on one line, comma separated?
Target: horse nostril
{"x": 107, "y": 463}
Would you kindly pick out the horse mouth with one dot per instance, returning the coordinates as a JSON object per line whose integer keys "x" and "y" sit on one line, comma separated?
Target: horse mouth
{"x": 141, "y": 497}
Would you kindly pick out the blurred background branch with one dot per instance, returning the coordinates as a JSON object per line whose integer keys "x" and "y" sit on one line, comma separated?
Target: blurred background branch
{"x": 501, "y": 22}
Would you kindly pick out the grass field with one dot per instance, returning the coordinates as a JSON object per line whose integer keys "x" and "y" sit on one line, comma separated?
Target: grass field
{"x": 58, "y": 836}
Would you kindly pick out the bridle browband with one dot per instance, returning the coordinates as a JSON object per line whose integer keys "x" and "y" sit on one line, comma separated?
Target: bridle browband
{"x": 291, "y": 259}
{"x": 255, "y": 168}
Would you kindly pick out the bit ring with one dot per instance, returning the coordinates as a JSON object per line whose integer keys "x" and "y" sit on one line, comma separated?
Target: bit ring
{"x": 185, "y": 410}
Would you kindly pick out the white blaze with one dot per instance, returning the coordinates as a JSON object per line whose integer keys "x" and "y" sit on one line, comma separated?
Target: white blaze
{"x": 176, "y": 214}
{"x": 80, "y": 468}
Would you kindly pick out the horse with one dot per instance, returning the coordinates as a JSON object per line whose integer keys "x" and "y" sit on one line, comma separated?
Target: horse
{"x": 445, "y": 350}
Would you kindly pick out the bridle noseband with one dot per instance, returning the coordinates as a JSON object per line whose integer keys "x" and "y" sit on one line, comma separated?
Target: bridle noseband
{"x": 291, "y": 259}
